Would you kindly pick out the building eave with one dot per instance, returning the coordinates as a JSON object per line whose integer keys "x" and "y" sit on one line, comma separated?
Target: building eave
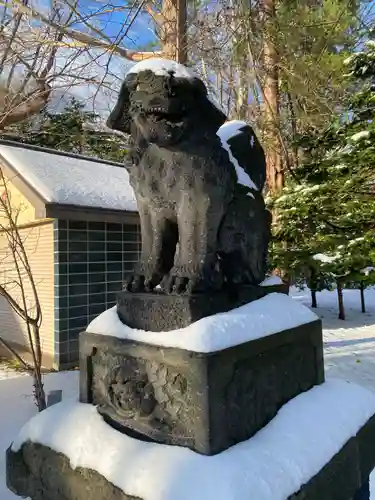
{"x": 95, "y": 214}
{"x": 31, "y": 194}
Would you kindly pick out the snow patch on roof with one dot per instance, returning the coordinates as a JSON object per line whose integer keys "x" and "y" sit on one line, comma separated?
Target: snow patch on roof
{"x": 225, "y": 132}
{"x": 163, "y": 67}
{"x": 261, "y": 318}
{"x": 73, "y": 181}
{"x": 273, "y": 465}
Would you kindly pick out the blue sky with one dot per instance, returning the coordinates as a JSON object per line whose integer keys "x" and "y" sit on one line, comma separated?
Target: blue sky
{"x": 115, "y": 24}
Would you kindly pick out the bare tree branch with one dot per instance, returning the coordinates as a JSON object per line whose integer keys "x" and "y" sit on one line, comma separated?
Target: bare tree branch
{"x": 84, "y": 38}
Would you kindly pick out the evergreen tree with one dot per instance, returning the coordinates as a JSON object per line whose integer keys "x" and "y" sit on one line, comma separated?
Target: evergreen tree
{"x": 325, "y": 224}
{"x": 72, "y": 130}
{"x": 281, "y": 67}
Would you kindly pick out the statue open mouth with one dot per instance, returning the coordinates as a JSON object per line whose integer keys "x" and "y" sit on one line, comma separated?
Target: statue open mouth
{"x": 158, "y": 114}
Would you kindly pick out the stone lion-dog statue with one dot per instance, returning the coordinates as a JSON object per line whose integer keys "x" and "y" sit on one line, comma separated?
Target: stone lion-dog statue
{"x": 197, "y": 180}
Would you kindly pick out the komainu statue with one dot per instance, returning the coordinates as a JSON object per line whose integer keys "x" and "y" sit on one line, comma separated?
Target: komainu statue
{"x": 198, "y": 182}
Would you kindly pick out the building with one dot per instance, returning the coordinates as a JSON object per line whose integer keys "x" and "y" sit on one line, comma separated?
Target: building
{"x": 79, "y": 223}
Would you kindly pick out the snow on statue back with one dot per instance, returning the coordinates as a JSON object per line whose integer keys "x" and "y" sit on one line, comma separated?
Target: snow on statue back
{"x": 203, "y": 219}
{"x": 237, "y": 137}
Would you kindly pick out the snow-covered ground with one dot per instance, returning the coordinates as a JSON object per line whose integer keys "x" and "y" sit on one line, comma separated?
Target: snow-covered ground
{"x": 349, "y": 354}
{"x": 349, "y": 346}
{"x": 17, "y": 406}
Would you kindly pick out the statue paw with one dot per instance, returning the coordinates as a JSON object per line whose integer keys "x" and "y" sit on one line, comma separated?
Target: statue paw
{"x": 134, "y": 283}
{"x": 142, "y": 280}
{"x": 152, "y": 280}
{"x": 177, "y": 281}
{"x": 174, "y": 283}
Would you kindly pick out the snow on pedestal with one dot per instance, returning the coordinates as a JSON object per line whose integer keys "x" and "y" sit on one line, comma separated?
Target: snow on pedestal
{"x": 272, "y": 281}
{"x": 271, "y": 314}
{"x": 271, "y": 348}
{"x": 305, "y": 434}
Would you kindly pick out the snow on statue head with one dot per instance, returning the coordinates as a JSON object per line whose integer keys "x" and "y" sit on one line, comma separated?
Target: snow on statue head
{"x": 197, "y": 183}
{"x": 164, "y": 100}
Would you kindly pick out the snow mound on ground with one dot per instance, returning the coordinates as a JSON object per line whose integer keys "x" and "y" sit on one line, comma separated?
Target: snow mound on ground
{"x": 225, "y": 132}
{"x": 263, "y": 317}
{"x": 306, "y": 433}
{"x": 163, "y": 67}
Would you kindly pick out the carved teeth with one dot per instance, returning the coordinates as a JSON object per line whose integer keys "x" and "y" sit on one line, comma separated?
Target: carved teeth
{"x": 157, "y": 109}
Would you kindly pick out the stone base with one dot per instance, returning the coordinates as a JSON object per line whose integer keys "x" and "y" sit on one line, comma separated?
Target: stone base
{"x": 203, "y": 401}
{"x": 159, "y": 312}
{"x": 43, "y": 474}
{"x": 39, "y": 473}
{"x": 346, "y": 476}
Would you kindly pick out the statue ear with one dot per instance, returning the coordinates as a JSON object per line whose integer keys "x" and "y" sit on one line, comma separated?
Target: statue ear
{"x": 119, "y": 119}
{"x": 215, "y": 116}
{"x": 210, "y": 113}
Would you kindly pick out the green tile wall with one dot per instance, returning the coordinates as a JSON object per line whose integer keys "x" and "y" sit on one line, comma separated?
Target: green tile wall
{"x": 91, "y": 259}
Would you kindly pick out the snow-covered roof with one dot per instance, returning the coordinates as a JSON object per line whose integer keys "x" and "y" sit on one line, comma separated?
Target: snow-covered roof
{"x": 71, "y": 180}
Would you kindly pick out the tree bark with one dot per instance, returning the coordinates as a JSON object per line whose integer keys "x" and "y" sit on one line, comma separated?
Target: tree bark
{"x": 314, "y": 302}
{"x": 340, "y": 301}
{"x": 173, "y": 30}
{"x": 362, "y": 291}
{"x": 313, "y": 286}
{"x": 275, "y": 175}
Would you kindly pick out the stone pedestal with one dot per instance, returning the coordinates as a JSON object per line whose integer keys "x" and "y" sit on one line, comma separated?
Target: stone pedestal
{"x": 157, "y": 312}
{"x": 208, "y": 402}
{"x": 40, "y": 473}
{"x": 204, "y": 401}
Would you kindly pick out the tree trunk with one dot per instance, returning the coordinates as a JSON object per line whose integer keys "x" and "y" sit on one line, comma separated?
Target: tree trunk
{"x": 314, "y": 302}
{"x": 275, "y": 175}
{"x": 340, "y": 301}
{"x": 173, "y": 30}
{"x": 362, "y": 290}
{"x": 293, "y": 122}
{"x": 242, "y": 96}
{"x": 239, "y": 12}
{"x": 313, "y": 286}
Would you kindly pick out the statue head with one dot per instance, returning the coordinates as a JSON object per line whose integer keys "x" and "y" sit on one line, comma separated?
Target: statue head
{"x": 164, "y": 102}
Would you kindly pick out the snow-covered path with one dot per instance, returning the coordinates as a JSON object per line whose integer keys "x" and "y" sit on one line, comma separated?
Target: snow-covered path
{"x": 349, "y": 354}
